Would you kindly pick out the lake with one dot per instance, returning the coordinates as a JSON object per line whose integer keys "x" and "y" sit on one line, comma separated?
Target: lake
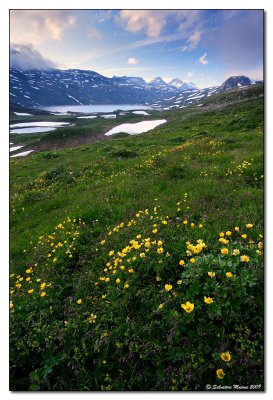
{"x": 97, "y": 108}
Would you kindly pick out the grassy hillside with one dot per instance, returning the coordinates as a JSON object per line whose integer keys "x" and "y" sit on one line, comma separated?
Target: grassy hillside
{"x": 136, "y": 262}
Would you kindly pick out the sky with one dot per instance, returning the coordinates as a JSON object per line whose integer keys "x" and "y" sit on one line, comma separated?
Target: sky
{"x": 202, "y": 46}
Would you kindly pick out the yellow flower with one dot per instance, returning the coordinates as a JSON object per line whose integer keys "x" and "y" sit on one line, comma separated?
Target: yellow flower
{"x": 236, "y": 228}
{"x": 221, "y": 234}
{"x": 188, "y": 307}
{"x": 92, "y": 318}
{"x": 244, "y": 258}
{"x": 29, "y": 271}
{"x": 159, "y": 243}
{"x": 130, "y": 270}
{"x": 168, "y": 287}
{"x": 79, "y": 301}
{"x": 208, "y": 300}
{"x": 224, "y": 250}
{"x": 103, "y": 296}
{"x": 118, "y": 280}
{"x": 185, "y": 222}
{"x": 160, "y": 250}
{"x": 220, "y": 373}
{"x": 43, "y": 294}
{"x": 154, "y": 230}
{"x": 158, "y": 278}
{"x": 244, "y": 236}
{"x": 228, "y": 233}
{"x": 102, "y": 242}
{"x": 200, "y": 226}
{"x": 179, "y": 282}
{"x": 107, "y": 279}
{"x": 11, "y": 305}
{"x": 126, "y": 286}
{"x": 43, "y": 285}
{"x": 30, "y": 291}
{"x": 192, "y": 225}
{"x": 142, "y": 255}
{"x": 164, "y": 222}
{"x": 229, "y": 274}
{"x": 161, "y": 306}
{"x": 211, "y": 274}
{"x": 226, "y": 356}
{"x": 111, "y": 253}
{"x": 28, "y": 279}
{"x": 236, "y": 252}
{"x": 192, "y": 260}
{"x": 224, "y": 241}
{"x": 181, "y": 262}
{"x": 249, "y": 226}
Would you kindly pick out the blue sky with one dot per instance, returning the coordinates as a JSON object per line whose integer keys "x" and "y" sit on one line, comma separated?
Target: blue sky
{"x": 201, "y": 46}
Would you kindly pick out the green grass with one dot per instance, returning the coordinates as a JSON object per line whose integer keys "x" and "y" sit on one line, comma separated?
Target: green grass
{"x": 120, "y": 338}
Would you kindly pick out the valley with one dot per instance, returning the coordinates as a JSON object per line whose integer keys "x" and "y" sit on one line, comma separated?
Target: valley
{"x": 116, "y": 264}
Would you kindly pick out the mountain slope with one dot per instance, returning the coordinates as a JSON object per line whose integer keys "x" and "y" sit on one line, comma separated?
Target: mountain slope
{"x": 75, "y": 87}
{"x": 100, "y": 234}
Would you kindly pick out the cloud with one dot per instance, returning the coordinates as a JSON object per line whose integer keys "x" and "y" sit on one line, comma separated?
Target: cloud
{"x": 104, "y": 15}
{"x": 133, "y": 61}
{"x": 143, "y": 20}
{"x": 93, "y": 32}
{"x": 193, "y": 41}
{"x": 203, "y": 60}
{"x": 190, "y": 74}
{"x": 153, "y": 22}
{"x": 26, "y": 57}
{"x": 36, "y": 26}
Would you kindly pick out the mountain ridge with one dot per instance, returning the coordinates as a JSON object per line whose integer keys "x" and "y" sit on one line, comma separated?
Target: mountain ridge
{"x": 39, "y": 88}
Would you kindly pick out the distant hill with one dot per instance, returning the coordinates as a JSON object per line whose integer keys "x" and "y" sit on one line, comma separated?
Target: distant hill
{"x": 37, "y": 88}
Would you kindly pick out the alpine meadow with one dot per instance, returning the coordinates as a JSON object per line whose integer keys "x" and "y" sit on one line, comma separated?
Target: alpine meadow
{"x": 136, "y": 203}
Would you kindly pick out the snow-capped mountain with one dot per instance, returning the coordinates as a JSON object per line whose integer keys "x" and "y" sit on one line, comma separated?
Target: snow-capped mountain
{"x": 237, "y": 81}
{"x": 176, "y": 82}
{"x": 158, "y": 81}
{"x": 37, "y": 88}
{"x": 71, "y": 87}
{"x": 188, "y": 86}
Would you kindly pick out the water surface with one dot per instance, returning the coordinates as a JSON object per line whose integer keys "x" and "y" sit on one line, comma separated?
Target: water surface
{"x": 97, "y": 108}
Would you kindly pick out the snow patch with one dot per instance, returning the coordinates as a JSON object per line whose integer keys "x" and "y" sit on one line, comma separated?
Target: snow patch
{"x": 108, "y": 116}
{"x": 24, "y": 153}
{"x": 140, "y": 113}
{"x": 41, "y": 123}
{"x": 88, "y": 117}
{"x": 18, "y": 113}
{"x": 15, "y": 148}
{"x": 36, "y": 129}
{"x": 134, "y": 129}
{"x": 74, "y": 99}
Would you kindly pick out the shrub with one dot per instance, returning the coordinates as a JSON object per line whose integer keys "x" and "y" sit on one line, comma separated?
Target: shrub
{"x": 159, "y": 307}
{"x": 123, "y": 152}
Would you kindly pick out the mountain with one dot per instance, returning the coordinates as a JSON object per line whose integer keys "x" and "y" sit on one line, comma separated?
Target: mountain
{"x": 37, "y": 88}
{"x": 134, "y": 80}
{"x": 237, "y": 81}
{"x": 71, "y": 87}
{"x": 176, "y": 82}
{"x": 188, "y": 86}
{"x": 158, "y": 81}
